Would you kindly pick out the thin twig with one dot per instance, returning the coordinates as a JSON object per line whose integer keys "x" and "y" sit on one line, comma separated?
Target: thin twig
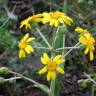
{"x": 31, "y": 80}
{"x": 42, "y": 48}
{"x": 56, "y": 33}
{"x": 63, "y": 44}
{"x": 8, "y": 17}
{"x": 45, "y": 40}
{"x": 71, "y": 49}
{"x": 13, "y": 78}
{"x": 67, "y": 48}
{"x": 89, "y": 77}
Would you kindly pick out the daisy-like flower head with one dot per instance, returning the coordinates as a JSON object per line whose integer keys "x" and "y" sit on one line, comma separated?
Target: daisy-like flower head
{"x": 25, "y": 47}
{"x": 26, "y": 23}
{"x": 88, "y": 40}
{"x": 56, "y": 18}
{"x": 81, "y": 30}
{"x": 51, "y": 66}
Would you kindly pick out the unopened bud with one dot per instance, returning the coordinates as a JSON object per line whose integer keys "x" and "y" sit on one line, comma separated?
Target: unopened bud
{"x": 4, "y": 70}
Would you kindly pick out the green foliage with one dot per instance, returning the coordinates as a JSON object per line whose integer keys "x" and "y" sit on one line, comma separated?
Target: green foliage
{"x": 1, "y": 81}
{"x": 6, "y": 39}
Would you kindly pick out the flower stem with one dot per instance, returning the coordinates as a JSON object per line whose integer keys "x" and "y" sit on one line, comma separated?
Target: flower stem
{"x": 43, "y": 48}
{"x": 32, "y": 81}
{"x": 45, "y": 40}
{"x": 71, "y": 49}
{"x": 52, "y": 88}
{"x": 56, "y": 33}
{"x": 67, "y": 48}
{"x": 13, "y": 78}
{"x": 63, "y": 44}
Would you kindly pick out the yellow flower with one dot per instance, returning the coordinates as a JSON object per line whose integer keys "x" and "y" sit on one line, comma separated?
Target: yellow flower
{"x": 26, "y": 23}
{"x": 81, "y": 30}
{"x": 51, "y": 66}
{"x": 56, "y": 18}
{"x": 25, "y": 47}
{"x": 88, "y": 40}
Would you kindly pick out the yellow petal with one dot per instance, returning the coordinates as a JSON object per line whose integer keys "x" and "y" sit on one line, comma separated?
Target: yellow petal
{"x": 43, "y": 60}
{"x": 45, "y": 56}
{"x": 21, "y": 25}
{"x": 60, "y": 70}
{"x": 86, "y": 51}
{"x": 45, "y": 20}
{"x": 60, "y": 61}
{"x": 28, "y": 26}
{"x": 43, "y": 70}
{"x": 29, "y": 49}
{"x": 52, "y": 22}
{"x": 67, "y": 21}
{"x": 91, "y": 56}
{"x": 80, "y": 30}
{"x": 22, "y": 54}
{"x": 49, "y": 75}
{"x": 57, "y": 57}
{"x": 37, "y": 19}
{"x": 56, "y": 23}
{"x": 61, "y": 21}
{"x": 83, "y": 40}
{"x": 30, "y": 39}
{"x": 53, "y": 73}
{"x": 25, "y": 37}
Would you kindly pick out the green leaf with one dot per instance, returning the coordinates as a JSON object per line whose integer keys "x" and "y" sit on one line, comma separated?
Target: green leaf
{"x": 1, "y": 81}
{"x": 82, "y": 46}
{"x": 43, "y": 88}
{"x": 65, "y": 6}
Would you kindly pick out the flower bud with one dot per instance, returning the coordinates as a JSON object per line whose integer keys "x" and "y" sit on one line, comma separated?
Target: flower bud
{"x": 4, "y": 70}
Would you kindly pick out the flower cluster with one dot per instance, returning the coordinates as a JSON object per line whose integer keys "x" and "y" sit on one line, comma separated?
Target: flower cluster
{"x": 52, "y": 65}
{"x": 53, "y": 18}
{"x": 88, "y": 40}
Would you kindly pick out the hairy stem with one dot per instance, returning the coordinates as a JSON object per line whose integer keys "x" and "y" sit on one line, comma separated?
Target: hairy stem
{"x": 32, "y": 81}
{"x": 45, "y": 40}
{"x": 52, "y": 88}
{"x": 71, "y": 49}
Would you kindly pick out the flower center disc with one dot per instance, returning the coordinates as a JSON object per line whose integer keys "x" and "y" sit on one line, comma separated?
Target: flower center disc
{"x": 23, "y": 45}
{"x": 52, "y": 66}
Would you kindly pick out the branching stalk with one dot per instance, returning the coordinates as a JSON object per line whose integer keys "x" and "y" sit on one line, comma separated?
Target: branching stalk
{"x": 89, "y": 77}
{"x": 67, "y": 48}
{"x": 71, "y": 49}
{"x": 32, "y": 81}
{"x": 13, "y": 78}
{"x": 63, "y": 44}
{"x": 43, "y": 48}
{"x": 52, "y": 88}
{"x": 45, "y": 40}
